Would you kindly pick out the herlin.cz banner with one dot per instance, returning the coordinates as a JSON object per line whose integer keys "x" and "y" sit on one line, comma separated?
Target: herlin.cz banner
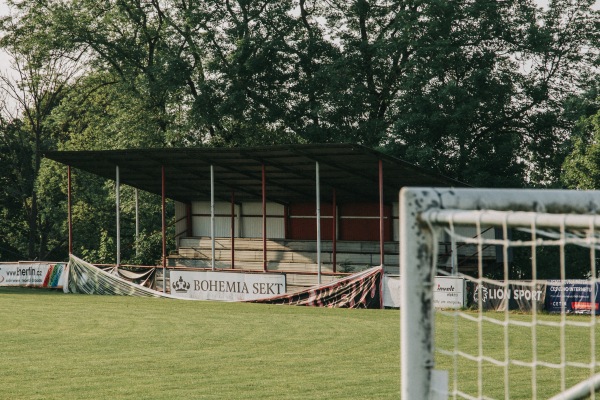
{"x": 575, "y": 296}
{"x": 515, "y": 296}
{"x": 33, "y": 274}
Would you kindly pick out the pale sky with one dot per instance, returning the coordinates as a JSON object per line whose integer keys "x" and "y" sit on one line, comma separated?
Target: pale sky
{"x": 4, "y": 64}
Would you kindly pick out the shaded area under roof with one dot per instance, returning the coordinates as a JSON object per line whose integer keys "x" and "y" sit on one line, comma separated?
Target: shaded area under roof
{"x": 352, "y": 170}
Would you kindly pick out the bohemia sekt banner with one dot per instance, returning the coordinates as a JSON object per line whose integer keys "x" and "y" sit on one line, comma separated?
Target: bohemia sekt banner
{"x": 226, "y": 286}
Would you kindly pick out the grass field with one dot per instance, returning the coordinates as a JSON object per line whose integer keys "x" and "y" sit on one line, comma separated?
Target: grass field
{"x": 520, "y": 338}
{"x": 71, "y": 346}
{"x": 106, "y": 347}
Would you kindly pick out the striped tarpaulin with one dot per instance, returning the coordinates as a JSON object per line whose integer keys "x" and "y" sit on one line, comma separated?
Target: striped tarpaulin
{"x": 84, "y": 277}
{"x": 361, "y": 290}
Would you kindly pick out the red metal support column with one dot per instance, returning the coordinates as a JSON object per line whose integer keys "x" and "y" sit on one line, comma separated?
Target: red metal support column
{"x": 333, "y": 232}
{"x": 164, "y": 231}
{"x": 212, "y": 218}
{"x": 286, "y": 221}
{"x": 69, "y": 210}
{"x": 318, "y": 219}
{"x": 264, "y": 217}
{"x": 232, "y": 229}
{"x": 137, "y": 223}
{"x": 118, "y": 211}
{"x": 381, "y": 227}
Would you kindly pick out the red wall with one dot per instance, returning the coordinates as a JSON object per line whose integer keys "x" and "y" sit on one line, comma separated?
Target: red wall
{"x": 358, "y": 222}
{"x": 300, "y": 227}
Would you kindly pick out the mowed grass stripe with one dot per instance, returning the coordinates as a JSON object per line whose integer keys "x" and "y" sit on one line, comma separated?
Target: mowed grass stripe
{"x": 79, "y": 346}
{"x": 520, "y": 339}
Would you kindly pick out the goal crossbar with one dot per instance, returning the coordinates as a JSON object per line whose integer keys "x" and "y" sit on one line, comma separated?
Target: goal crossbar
{"x": 511, "y": 219}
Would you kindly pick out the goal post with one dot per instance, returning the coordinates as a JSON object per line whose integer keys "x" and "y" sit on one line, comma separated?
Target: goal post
{"x": 545, "y": 218}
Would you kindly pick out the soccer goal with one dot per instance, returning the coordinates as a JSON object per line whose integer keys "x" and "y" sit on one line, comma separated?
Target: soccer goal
{"x": 529, "y": 327}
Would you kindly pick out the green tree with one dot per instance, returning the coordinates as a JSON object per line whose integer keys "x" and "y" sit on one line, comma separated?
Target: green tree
{"x": 480, "y": 91}
{"x": 97, "y": 114}
{"x": 483, "y": 107}
{"x": 582, "y": 166}
{"x": 41, "y": 79}
{"x": 15, "y": 188}
{"x": 240, "y": 66}
{"x": 125, "y": 38}
{"x": 472, "y": 89}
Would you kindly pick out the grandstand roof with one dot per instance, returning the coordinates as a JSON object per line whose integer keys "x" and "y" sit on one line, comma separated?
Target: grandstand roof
{"x": 352, "y": 170}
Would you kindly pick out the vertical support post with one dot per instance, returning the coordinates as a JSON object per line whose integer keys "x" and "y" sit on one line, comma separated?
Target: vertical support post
{"x": 189, "y": 229}
{"x": 69, "y": 210}
{"x": 334, "y": 232}
{"x": 164, "y": 229}
{"x": 454, "y": 255}
{"x": 212, "y": 217}
{"x": 264, "y": 217}
{"x": 416, "y": 296}
{"x": 286, "y": 221}
{"x": 118, "y": 206}
{"x": 232, "y": 229}
{"x": 137, "y": 223}
{"x": 381, "y": 221}
{"x": 318, "y": 207}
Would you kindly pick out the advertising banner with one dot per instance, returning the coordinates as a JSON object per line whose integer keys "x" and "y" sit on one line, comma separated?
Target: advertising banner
{"x": 575, "y": 296}
{"x": 449, "y": 292}
{"x": 226, "y": 286}
{"x": 515, "y": 296}
{"x": 391, "y": 291}
{"x": 33, "y": 274}
{"x": 493, "y": 297}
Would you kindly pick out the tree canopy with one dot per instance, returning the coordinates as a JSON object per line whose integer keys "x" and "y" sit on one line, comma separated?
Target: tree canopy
{"x": 491, "y": 93}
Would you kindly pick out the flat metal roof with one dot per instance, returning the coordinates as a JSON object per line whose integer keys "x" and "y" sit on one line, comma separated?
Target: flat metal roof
{"x": 352, "y": 170}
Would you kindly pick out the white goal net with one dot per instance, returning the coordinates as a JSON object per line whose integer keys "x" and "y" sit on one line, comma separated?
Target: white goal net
{"x": 528, "y": 328}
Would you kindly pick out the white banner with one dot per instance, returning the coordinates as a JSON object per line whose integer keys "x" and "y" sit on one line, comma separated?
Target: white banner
{"x": 449, "y": 292}
{"x": 391, "y": 291}
{"x": 225, "y": 286}
{"x": 49, "y": 275}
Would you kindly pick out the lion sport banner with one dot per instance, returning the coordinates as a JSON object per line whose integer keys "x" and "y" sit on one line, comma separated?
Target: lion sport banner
{"x": 516, "y": 296}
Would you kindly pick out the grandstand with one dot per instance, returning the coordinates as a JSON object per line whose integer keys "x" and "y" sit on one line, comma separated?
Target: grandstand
{"x": 255, "y": 209}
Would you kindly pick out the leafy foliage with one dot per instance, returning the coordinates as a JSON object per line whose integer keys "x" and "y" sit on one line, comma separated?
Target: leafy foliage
{"x": 484, "y": 92}
{"x": 582, "y": 166}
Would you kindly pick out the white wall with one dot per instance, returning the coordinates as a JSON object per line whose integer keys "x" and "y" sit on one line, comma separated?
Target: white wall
{"x": 251, "y": 222}
{"x": 248, "y": 219}
{"x": 180, "y": 220}
{"x": 201, "y": 223}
